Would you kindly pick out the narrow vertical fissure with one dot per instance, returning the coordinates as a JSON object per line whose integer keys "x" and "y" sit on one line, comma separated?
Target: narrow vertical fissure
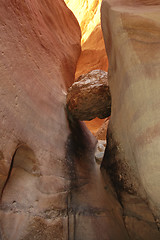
{"x": 9, "y": 174}
{"x": 70, "y": 161}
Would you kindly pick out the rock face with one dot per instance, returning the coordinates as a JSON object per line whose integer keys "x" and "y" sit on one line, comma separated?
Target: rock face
{"x": 89, "y": 96}
{"x": 102, "y": 131}
{"x": 93, "y": 55}
{"x": 50, "y": 185}
{"x": 87, "y": 13}
{"x": 94, "y": 125}
{"x": 38, "y": 59}
{"x": 132, "y": 31}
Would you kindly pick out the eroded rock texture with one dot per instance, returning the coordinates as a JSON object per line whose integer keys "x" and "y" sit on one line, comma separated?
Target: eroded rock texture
{"x": 89, "y": 97}
{"x": 50, "y": 185}
{"x": 132, "y": 36}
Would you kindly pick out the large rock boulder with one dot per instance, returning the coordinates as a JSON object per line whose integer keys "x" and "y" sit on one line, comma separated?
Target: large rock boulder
{"x": 89, "y": 96}
{"x": 132, "y": 31}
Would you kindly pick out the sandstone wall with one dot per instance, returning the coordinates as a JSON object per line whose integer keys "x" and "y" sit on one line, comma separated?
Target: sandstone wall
{"x": 93, "y": 54}
{"x": 132, "y": 32}
{"x": 40, "y": 45}
{"x": 87, "y": 13}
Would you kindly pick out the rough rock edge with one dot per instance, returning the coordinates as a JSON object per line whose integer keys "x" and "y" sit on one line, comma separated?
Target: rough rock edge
{"x": 122, "y": 177}
{"x": 119, "y": 170}
{"x": 86, "y": 87}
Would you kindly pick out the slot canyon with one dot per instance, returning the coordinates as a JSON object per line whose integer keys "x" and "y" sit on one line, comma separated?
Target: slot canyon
{"x": 53, "y": 184}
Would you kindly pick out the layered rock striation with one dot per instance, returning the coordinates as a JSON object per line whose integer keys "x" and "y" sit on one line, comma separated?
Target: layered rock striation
{"x": 132, "y": 31}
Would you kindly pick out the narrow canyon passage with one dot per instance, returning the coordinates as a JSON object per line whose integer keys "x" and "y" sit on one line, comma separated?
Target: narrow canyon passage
{"x": 50, "y": 183}
{"x": 94, "y": 212}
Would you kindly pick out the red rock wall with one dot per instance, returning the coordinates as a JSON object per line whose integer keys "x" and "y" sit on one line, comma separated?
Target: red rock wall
{"x": 40, "y": 46}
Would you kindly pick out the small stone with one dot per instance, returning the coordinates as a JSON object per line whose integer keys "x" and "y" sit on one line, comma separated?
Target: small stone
{"x": 100, "y": 149}
{"x": 99, "y": 157}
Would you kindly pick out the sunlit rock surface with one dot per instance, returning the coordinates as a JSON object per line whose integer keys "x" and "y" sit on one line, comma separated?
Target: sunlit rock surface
{"x": 89, "y": 97}
{"x": 132, "y": 37}
{"x": 93, "y": 55}
{"x": 87, "y": 13}
{"x": 51, "y": 187}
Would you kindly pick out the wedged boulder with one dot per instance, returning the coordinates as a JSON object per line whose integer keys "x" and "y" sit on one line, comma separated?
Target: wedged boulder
{"x": 89, "y": 96}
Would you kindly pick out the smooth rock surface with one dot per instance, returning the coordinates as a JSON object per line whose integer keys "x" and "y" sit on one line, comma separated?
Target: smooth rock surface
{"x": 132, "y": 37}
{"x": 87, "y": 13}
{"x": 93, "y": 55}
{"x": 40, "y": 46}
{"x": 89, "y": 96}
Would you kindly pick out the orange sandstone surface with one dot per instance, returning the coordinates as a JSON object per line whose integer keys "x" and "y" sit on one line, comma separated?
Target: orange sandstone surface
{"x": 87, "y": 13}
{"x": 93, "y": 54}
